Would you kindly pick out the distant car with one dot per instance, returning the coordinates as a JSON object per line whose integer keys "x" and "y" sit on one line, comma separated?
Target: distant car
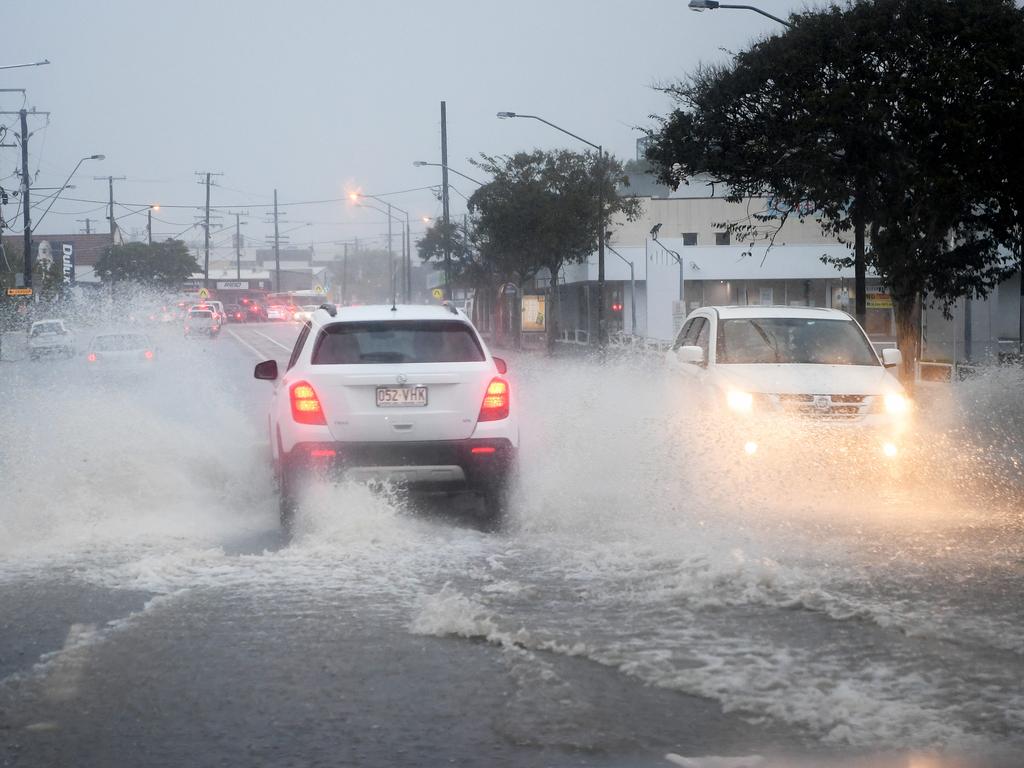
{"x": 278, "y": 312}
{"x": 411, "y": 395}
{"x": 254, "y": 310}
{"x": 218, "y": 307}
{"x": 50, "y": 337}
{"x": 782, "y": 378}
{"x": 163, "y": 315}
{"x": 236, "y": 313}
{"x": 202, "y": 322}
{"x": 304, "y": 313}
{"x": 121, "y": 351}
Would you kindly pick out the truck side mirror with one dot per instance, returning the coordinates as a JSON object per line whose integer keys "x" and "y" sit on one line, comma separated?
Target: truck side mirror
{"x": 892, "y": 358}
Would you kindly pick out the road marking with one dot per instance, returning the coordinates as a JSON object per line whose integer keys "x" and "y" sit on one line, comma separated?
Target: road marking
{"x": 247, "y": 345}
{"x": 273, "y": 341}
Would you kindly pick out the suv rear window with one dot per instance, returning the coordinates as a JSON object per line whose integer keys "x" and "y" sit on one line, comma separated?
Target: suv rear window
{"x": 397, "y": 341}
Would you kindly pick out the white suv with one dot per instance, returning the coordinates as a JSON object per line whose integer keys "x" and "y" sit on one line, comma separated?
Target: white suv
{"x": 761, "y": 371}
{"x": 406, "y": 393}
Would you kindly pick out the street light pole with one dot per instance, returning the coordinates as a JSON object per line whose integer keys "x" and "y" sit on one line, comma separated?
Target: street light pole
{"x": 422, "y": 163}
{"x": 601, "y": 335}
{"x": 711, "y": 5}
{"x": 444, "y": 203}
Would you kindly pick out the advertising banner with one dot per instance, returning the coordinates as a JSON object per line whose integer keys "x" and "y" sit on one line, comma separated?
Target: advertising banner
{"x": 533, "y": 313}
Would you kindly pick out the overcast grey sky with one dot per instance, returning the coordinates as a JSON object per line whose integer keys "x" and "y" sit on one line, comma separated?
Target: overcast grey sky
{"x": 315, "y": 97}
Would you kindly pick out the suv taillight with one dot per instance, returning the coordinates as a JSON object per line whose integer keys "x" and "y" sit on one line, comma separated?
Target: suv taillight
{"x": 306, "y": 407}
{"x": 496, "y": 398}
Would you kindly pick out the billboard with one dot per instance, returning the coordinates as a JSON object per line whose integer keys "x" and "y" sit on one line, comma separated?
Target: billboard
{"x": 533, "y": 313}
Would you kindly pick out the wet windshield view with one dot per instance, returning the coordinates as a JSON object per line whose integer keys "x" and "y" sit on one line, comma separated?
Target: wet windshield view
{"x": 793, "y": 340}
{"x": 561, "y": 384}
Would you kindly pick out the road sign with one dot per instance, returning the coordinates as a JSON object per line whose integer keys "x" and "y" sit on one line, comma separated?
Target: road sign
{"x": 204, "y": 294}
{"x": 318, "y": 290}
{"x": 19, "y": 291}
{"x": 437, "y": 293}
{"x": 233, "y": 284}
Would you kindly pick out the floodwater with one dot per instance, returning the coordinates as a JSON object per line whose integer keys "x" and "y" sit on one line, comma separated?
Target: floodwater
{"x": 644, "y": 575}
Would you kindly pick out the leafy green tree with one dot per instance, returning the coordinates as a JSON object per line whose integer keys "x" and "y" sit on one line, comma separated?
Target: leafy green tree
{"x": 887, "y": 118}
{"x": 540, "y": 211}
{"x": 165, "y": 264}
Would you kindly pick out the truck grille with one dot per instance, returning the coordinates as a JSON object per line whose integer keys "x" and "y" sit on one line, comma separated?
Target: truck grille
{"x": 826, "y": 407}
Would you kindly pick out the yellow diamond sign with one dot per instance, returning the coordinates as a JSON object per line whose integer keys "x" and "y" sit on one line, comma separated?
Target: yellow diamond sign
{"x": 204, "y": 294}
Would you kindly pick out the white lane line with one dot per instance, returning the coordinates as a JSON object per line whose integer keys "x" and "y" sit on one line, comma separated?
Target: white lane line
{"x": 273, "y": 341}
{"x": 247, "y": 345}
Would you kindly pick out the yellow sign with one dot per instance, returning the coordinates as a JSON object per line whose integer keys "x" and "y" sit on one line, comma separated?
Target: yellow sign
{"x": 878, "y": 301}
{"x": 19, "y": 291}
{"x": 437, "y": 293}
{"x": 203, "y": 293}
{"x": 318, "y": 290}
{"x": 533, "y": 313}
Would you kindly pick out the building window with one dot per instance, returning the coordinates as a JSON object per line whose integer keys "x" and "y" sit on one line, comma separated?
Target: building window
{"x": 689, "y": 238}
{"x": 721, "y": 238}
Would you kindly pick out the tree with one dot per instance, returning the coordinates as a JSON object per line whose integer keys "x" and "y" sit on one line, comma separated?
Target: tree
{"x": 887, "y": 117}
{"x": 540, "y": 211}
{"x": 165, "y": 264}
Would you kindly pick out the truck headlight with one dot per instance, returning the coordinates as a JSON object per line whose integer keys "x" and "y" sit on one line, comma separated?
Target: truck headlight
{"x": 739, "y": 401}
{"x": 896, "y": 404}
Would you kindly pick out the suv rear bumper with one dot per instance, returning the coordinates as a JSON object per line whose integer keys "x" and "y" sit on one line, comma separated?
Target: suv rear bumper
{"x": 473, "y": 464}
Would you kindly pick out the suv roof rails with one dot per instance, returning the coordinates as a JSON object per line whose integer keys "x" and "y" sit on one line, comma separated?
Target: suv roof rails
{"x": 450, "y": 307}
{"x": 330, "y": 309}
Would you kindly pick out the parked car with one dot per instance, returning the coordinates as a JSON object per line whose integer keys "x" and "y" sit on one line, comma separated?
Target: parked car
{"x": 202, "y": 321}
{"x": 773, "y": 377}
{"x": 50, "y": 337}
{"x": 409, "y": 394}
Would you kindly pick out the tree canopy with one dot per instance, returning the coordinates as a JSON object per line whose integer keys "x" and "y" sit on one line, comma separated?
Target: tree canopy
{"x": 166, "y": 264}
{"x": 540, "y": 211}
{"x": 894, "y": 113}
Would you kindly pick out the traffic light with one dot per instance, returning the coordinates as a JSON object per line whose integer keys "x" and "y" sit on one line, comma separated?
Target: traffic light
{"x": 616, "y": 307}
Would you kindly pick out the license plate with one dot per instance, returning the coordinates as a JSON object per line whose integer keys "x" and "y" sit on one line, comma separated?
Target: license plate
{"x": 390, "y": 397}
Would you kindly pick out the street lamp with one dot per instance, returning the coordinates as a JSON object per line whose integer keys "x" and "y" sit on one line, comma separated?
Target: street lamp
{"x": 710, "y": 5}
{"x": 422, "y": 163}
{"x": 149, "y": 218}
{"x": 600, "y": 219}
{"x": 655, "y": 230}
{"x": 65, "y": 186}
{"x": 406, "y": 245}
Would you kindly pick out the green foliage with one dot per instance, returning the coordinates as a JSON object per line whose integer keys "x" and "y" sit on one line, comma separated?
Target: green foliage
{"x": 901, "y": 112}
{"x": 540, "y": 209}
{"x": 163, "y": 264}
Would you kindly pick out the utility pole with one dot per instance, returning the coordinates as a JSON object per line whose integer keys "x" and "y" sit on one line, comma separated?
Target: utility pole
{"x": 87, "y": 222}
{"x": 444, "y": 202}
{"x": 277, "y": 249}
{"x": 391, "y": 256}
{"x": 25, "y": 185}
{"x": 206, "y": 227}
{"x": 408, "y": 262}
{"x": 238, "y": 241}
{"x": 344, "y": 273}
{"x": 110, "y": 181}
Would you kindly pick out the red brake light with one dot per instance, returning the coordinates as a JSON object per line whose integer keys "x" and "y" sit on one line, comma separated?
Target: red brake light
{"x": 483, "y": 449}
{"x": 322, "y": 453}
{"x": 306, "y": 407}
{"x": 149, "y": 354}
{"x": 496, "y": 401}
{"x": 92, "y": 357}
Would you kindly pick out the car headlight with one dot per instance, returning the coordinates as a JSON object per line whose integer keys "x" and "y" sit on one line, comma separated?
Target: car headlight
{"x": 739, "y": 401}
{"x": 896, "y": 404}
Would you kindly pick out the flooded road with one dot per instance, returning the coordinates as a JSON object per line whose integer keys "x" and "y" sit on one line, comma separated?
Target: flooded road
{"x": 647, "y": 598}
